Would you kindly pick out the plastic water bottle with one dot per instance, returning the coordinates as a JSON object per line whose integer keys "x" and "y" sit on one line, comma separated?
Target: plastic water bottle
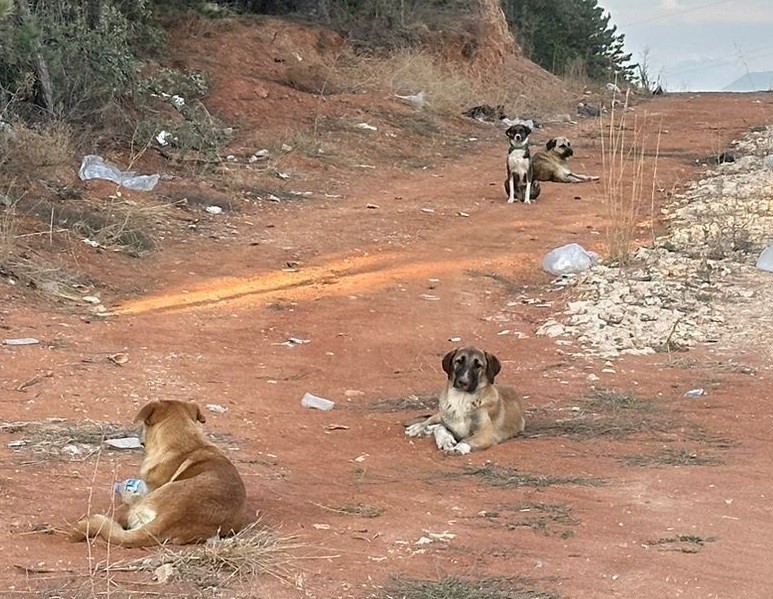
{"x": 131, "y": 490}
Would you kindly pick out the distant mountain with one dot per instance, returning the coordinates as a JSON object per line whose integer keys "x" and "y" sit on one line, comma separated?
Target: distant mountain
{"x": 752, "y": 82}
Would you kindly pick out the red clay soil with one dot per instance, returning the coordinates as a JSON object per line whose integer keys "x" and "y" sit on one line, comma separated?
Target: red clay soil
{"x": 379, "y": 294}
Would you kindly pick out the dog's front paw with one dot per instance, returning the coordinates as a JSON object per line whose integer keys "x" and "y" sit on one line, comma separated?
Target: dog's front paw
{"x": 443, "y": 438}
{"x": 462, "y": 448}
{"x": 419, "y": 429}
{"x": 527, "y": 201}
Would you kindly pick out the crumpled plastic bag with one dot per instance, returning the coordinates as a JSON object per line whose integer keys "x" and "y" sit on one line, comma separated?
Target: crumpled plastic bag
{"x": 96, "y": 167}
{"x": 765, "y": 261}
{"x": 568, "y": 259}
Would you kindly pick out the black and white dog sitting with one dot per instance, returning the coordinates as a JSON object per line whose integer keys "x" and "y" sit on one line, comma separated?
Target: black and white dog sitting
{"x": 519, "y": 182}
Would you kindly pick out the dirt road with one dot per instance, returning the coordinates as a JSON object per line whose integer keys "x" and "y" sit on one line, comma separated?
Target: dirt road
{"x": 675, "y": 505}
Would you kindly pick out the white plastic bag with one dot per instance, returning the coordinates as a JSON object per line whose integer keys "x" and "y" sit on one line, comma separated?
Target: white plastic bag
{"x": 96, "y": 167}
{"x": 569, "y": 259}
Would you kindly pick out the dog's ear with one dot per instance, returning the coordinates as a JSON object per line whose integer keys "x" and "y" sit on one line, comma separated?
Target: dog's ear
{"x": 492, "y": 366}
{"x": 448, "y": 361}
{"x": 195, "y": 412}
{"x": 510, "y": 131}
{"x": 149, "y": 413}
{"x": 551, "y": 143}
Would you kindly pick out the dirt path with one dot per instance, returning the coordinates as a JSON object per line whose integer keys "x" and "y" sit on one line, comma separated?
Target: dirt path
{"x": 379, "y": 293}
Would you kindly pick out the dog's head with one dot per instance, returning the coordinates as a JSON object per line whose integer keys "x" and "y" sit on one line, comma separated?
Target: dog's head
{"x": 518, "y": 133}
{"x": 180, "y": 415}
{"x": 470, "y": 368}
{"x": 561, "y": 146}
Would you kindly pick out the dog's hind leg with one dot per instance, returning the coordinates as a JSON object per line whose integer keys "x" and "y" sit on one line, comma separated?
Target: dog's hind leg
{"x": 112, "y": 532}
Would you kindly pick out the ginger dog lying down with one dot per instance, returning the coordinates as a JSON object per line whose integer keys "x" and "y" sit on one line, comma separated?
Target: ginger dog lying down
{"x": 474, "y": 412}
{"x": 195, "y": 492}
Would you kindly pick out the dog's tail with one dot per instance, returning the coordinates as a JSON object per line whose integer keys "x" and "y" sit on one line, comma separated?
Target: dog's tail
{"x": 112, "y": 532}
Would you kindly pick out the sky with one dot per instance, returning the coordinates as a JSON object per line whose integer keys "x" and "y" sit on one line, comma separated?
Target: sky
{"x": 696, "y": 45}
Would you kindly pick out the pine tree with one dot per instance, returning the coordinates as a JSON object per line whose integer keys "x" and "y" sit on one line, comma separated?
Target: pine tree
{"x": 558, "y": 33}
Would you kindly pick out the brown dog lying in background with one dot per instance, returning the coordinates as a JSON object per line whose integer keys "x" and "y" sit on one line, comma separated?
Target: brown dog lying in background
{"x": 552, "y": 163}
{"x": 195, "y": 492}
{"x": 474, "y": 413}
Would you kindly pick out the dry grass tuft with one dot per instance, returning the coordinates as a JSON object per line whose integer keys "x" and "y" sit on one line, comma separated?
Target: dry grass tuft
{"x": 255, "y": 551}
{"x": 504, "y": 476}
{"x": 624, "y": 152}
{"x": 58, "y": 439}
{"x": 546, "y": 518}
{"x": 459, "y": 588}
{"x": 604, "y": 413}
{"x": 403, "y": 404}
{"x": 670, "y": 457}
{"x": 682, "y": 543}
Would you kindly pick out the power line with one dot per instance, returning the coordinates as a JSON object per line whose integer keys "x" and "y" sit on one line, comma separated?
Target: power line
{"x": 676, "y": 13}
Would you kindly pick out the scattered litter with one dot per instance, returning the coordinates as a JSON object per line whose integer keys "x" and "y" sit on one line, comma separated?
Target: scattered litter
{"x": 163, "y": 138}
{"x": 697, "y": 392}
{"x": 92, "y": 243}
{"x": 17, "y": 444}
{"x": 71, "y": 450}
{"x": 429, "y": 298}
{"x": 417, "y": 100}
{"x": 91, "y": 299}
{"x": 273, "y": 198}
{"x": 96, "y": 167}
{"x": 321, "y": 526}
{"x": 361, "y": 458}
{"x": 353, "y": 393}
{"x": 293, "y": 341}
{"x": 313, "y": 401}
{"x": 214, "y": 209}
{"x": 454, "y": 339}
{"x": 130, "y": 490}
{"x": 164, "y": 573}
{"x": 213, "y": 407}
{"x": 364, "y": 166}
{"x": 569, "y": 258}
{"x": 336, "y": 427}
{"x": 612, "y": 88}
{"x": 301, "y": 193}
{"x": 286, "y": 148}
{"x": 366, "y": 127}
{"x": 21, "y": 341}
{"x": 372, "y": 206}
{"x": 283, "y": 176}
{"x": 124, "y": 443}
{"x": 765, "y": 261}
{"x": 431, "y": 537}
{"x": 428, "y": 210}
{"x": 462, "y": 214}
{"x": 510, "y": 122}
{"x": 586, "y": 109}
{"x": 259, "y": 155}
{"x": 119, "y": 359}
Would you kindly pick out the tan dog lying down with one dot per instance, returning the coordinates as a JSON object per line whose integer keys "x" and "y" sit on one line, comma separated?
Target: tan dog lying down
{"x": 474, "y": 413}
{"x": 194, "y": 493}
